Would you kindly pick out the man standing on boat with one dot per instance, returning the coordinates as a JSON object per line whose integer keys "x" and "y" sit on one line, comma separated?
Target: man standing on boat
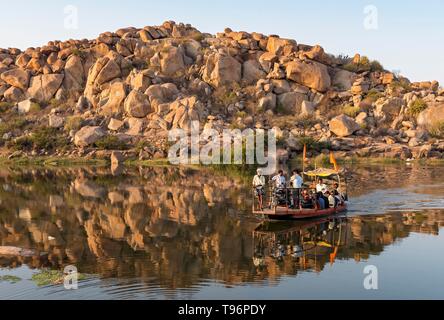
{"x": 259, "y": 188}
{"x": 296, "y": 183}
{"x": 279, "y": 180}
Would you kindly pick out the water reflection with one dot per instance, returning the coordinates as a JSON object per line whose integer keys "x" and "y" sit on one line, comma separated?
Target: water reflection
{"x": 179, "y": 228}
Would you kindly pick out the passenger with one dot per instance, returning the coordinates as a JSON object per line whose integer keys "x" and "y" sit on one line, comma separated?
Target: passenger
{"x": 321, "y": 201}
{"x": 296, "y": 183}
{"x": 341, "y": 192}
{"x": 321, "y": 185}
{"x": 307, "y": 201}
{"x": 259, "y": 188}
{"x": 331, "y": 199}
{"x": 279, "y": 180}
{"x": 338, "y": 198}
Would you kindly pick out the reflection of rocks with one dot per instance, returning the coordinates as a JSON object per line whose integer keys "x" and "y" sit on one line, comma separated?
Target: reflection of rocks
{"x": 174, "y": 225}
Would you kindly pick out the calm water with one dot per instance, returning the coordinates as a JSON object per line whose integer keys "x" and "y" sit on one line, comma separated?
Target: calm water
{"x": 168, "y": 233}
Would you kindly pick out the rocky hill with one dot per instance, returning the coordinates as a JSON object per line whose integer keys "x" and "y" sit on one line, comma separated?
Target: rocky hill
{"x": 126, "y": 89}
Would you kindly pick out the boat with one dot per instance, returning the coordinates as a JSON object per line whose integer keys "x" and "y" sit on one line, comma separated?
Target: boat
{"x": 281, "y": 210}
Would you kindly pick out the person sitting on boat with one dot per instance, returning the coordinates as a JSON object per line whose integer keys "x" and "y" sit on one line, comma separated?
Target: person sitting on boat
{"x": 307, "y": 201}
{"x": 321, "y": 185}
{"x": 259, "y": 187}
{"x": 321, "y": 201}
{"x": 331, "y": 199}
{"x": 338, "y": 198}
{"x": 342, "y": 194}
{"x": 296, "y": 183}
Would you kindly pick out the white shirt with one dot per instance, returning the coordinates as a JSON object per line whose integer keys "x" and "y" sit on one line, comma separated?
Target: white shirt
{"x": 297, "y": 181}
{"x": 258, "y": 181}
{"x": 280, "y": 181}
{"x": 320, "y": 187}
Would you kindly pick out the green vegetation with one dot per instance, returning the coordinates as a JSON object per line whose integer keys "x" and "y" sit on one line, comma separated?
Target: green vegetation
{"x": 42, "y": 138}
{"x": 5, "y": 106}
{"x": 35, "y": 107}
{"x": 363, "y": 65}
{"x": 226, "y": 95}
{"x": 73, "y": 123}
{"x": 51, "y": 277}
{"x": 374, "y": 95}
{"x": 437, "y": 130}
{"x": 10, "y": 279}
{"x": 11, "y": 125}
{"x": 351, "y": 111}
{"x": 241, "y": 114}
{"x": 312, "y": 144}
{"x": 111, "y": 143}
{"x": 401, "y": 84}
{"x": 417, "y": 106}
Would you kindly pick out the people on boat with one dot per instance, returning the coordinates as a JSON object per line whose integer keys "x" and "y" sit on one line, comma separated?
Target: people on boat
{"x": 306, "y": 201}
{"x": 338, "y": 198}
{"x": 331, "y": 199}
{"x": 296, "y": 183}
{"x": 320, "y": 186}
{"x": 341, "y": 192}
{"x": 259, "y": 187}
{"x": 321, "y": 201}
{"x": 279, "y": 180}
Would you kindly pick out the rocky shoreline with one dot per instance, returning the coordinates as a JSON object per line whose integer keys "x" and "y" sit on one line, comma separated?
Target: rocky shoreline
{"x": 84, "y": 99}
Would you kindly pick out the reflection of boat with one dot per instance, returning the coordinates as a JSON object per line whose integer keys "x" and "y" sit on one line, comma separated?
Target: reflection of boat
{"x": 279, "y": 200}
{"x": 304, "y": 242}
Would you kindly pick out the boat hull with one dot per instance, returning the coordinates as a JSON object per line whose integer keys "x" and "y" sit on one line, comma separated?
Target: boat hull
{"x": 284, "y": 213}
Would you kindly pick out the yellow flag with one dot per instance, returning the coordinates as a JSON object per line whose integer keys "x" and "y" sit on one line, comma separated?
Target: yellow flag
{"x": 333, "y": 161}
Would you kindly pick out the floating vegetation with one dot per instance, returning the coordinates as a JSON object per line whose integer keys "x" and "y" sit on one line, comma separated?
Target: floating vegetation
{"x": 10, "y": 279}
{"x": 51, "y": 277}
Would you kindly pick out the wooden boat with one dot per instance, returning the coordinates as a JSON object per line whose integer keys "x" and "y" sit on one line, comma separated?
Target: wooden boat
{"x": 285, "y": 212}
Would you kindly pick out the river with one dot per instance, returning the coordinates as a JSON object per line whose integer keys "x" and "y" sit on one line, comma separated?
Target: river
{"x": 182, "y": 233}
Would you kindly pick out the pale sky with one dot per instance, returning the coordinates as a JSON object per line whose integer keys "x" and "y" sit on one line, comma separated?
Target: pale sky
{"x": 409, "y": 35}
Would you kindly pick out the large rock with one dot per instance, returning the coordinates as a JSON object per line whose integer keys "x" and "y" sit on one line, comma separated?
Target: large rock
{"x": 343, "y": 126}
{"x": 291, "y": 102}
{"x": 252, "y": 71}
{"x": 309, "y": 73}
{"x": 388, "y": 108}
{"x": 222, "y": 69}
{"x": 280, "y": 46}
{"x": 137, "y": 104}
{"x": 17, "y": 78}
{"x": 114, "y": 103}
{"x": 343, "y": 80}
{"x": 14, "y": 94}
{"x": 74, "y": 74}
{"x": 88, "y": 136}
{"x": 431, "y": 116}
{"x": 44, "y": 87}
{"x": 172, "y": 61}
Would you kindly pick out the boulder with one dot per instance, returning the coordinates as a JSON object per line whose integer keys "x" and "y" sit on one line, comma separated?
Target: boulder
{"x": 222, "y": 69}
{"x": 268, "y": 102}
{"x": 26, "y": 106}
{"x": 114, "y": 103}
{"x": 88, "y": 136}
{"x": 56, "y": 121}
{"x": 117, "y": 158}
{"x": 74, "y": 74}
{"x": 388, "y": 108}
{"x": 14, "y": 94}
{"x": 311, "y": 74}
{"x": 172, "y": 61}
{"x": 44, "y": 87}
{"x": 291, "y": 102}
{"x": 279, "y": 46}
{"x": 343, "y": 126}
{"x": 17, "y": 78}
{"x": 252, "y": 72}
{"x": 343, "y": 80}
{"x": 137, "y": 104}
{"x": 115, "y": 125}
{"x": 431, "y": 116}
{"x": 307, "y": 108}
{"x": 267, "y": 61}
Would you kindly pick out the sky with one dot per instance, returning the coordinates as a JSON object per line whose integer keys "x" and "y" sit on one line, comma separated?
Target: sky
{"x": 405, "y": 36}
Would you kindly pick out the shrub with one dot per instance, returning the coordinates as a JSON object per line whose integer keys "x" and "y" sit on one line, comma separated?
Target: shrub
{"x": 402, "y": 84}
{"x": 241, "y": 114}
{"x": 364, "y": 65}
{"x": 351, "y": 111}
{"x": 312, "y": 144}
{"x": 374, "y": 95}
{"x": 111, "y": 143}
{"x": 376, "y": 66}
{"x": 417, "y": 106}
{"x": 437, "y": 130}
{"x": 42, "y": 138}
{"x": 35, "y": 107}
{"x": 5, "y": 106}
{"x": 73, "y": 123}
{"x": 9, "y": 126}
{"x": 226, "y": 95}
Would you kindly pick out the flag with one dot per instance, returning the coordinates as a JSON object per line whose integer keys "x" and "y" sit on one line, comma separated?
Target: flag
{"x": 333, "y": 161}
{"x": 305, "y": 154}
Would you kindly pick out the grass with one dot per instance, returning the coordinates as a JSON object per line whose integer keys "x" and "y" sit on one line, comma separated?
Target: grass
{"x": 10, "y": 279}
{"x": 42, "y": 138}
{"x": 8, "y": 126}
{"x": 51, "y": 277}
{"x": 111, "y": 143}
{"x": 73, "y": 123}
{"x": 5, "y": 106}
{"x": 351, "y": 111}
{"x": 437, "y": 130}
{"x": 374, "y": 95}
{"x": 417, "y": 106}
{"x": 51, "y": 162}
